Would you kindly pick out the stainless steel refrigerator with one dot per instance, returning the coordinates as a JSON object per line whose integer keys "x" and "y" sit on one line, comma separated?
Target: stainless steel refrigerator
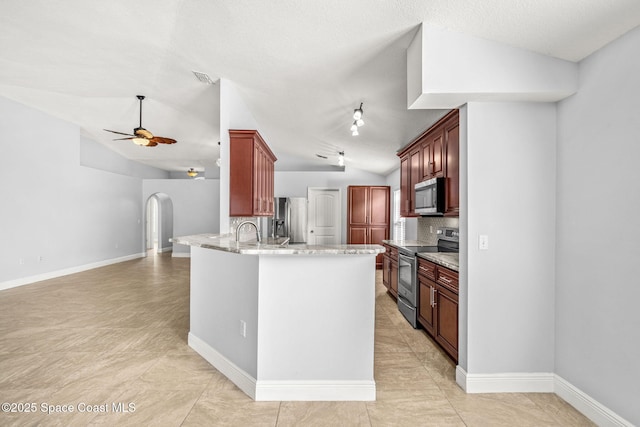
{"x": 289, "y": 219}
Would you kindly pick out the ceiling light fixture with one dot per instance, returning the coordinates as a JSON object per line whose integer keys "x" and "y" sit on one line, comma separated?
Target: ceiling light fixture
{"x": 140, "y": 141}
{"x": 192, "y": 172}
{"x": 341, "y": 158}
{"x": 357, "y": 116}
{"x": 357, "y": 113}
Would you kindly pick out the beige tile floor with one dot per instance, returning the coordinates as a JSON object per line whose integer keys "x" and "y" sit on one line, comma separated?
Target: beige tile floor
{"x": 118, "y": 334}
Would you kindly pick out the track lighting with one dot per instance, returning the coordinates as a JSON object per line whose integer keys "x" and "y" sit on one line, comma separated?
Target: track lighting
{"x": 357, "y": 113}
{"x": 192, "y": 172}
{"x": 357, "y": 116}
{"x": 341, "y": 158}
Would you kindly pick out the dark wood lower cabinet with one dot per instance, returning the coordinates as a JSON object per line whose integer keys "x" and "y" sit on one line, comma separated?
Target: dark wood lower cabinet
{"x": 426, "y": 309}
{"x": 447, "y": 321}
{"x": 438, "y": 305}
{"x": 390, "y": 269}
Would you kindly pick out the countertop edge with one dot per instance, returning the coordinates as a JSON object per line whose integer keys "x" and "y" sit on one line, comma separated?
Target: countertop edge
{"x": 228, "y": 244}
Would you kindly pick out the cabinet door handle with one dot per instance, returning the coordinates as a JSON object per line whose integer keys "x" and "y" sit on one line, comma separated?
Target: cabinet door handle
{"x": 445, "y": 279}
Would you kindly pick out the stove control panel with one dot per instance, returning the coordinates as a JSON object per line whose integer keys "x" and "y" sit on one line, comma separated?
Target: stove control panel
{"x": 450, "y": 234}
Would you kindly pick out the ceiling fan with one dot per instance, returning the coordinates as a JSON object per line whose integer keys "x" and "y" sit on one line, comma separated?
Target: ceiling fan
{"x": 141, "y": 136}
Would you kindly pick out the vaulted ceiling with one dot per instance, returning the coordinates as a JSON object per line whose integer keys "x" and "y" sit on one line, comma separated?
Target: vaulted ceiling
{"x": 301, "y": 66}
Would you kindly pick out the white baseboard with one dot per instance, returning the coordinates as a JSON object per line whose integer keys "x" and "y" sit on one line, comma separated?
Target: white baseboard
{"x": 284, "y": 390}
{"x": 167, "y": 249}
{"x": 540, "y": 383}
{"x": 590, "y": 408}
{"x": 505, "y": 383}
{"x": 66, "y": 271}
{"x": 316, "y": 390}
{"x": 181, "y": 254}
{"x": 239, "y": 377}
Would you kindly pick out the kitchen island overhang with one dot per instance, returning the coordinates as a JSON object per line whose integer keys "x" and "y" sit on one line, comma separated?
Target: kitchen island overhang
{"x": 285, "y": 323}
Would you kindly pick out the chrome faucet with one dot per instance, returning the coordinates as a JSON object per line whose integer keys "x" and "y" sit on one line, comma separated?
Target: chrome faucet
{"x": 247, "y": 222}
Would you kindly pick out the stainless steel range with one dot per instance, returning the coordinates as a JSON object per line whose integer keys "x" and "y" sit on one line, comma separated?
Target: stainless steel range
{"x": 408, "y": 296}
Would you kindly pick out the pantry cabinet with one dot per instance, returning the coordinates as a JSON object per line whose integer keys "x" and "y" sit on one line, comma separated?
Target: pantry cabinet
{"x": 250, "y": 175}
{"x": 438, "y": 305}
{"x": 368, "y": 212}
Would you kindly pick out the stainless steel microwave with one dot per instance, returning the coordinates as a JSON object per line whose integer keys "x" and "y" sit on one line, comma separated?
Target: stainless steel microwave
{"x": 429, "y": 197}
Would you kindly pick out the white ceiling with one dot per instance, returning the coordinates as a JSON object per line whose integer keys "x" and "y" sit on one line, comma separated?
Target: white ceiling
{"x": 302, "y": 66}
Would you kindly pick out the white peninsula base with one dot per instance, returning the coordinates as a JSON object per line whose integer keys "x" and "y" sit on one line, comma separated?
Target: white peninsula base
{"x": 286, "y": 327}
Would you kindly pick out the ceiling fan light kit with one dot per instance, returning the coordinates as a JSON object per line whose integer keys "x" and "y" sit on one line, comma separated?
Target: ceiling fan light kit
{"x": 357, "y": 116}
{"x": 192, "y": 172}
{"x": 141, "y": 136}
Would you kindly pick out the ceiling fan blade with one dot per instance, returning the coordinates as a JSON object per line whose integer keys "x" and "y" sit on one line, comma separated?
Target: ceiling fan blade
{"x": 120, "y": 139}
{"x": 163, "y": 140}
{"x": 119, "y": 133}
{"x": 151, "y": 144}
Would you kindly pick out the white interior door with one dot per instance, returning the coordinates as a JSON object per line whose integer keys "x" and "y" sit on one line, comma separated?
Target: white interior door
{"x": 324, "y": 216}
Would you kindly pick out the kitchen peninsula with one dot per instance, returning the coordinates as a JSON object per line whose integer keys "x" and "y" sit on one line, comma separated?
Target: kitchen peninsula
{"x": 285, "y": 322}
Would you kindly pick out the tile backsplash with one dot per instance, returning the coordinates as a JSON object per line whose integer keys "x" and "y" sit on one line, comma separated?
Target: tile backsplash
{"x": 428, "y": 226}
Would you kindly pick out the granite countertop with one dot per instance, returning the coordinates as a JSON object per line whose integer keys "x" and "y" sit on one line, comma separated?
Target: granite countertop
{"x": 402, "y": 243}
{"x": 449, "y": 260}
{"x": 227, "y": 243}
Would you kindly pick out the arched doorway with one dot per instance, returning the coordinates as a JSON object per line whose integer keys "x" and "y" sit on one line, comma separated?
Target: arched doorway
{"x": 159, "y": 223}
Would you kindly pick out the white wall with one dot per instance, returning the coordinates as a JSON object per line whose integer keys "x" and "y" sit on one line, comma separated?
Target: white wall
{"x": 295, "y": 184}
{"x": 234, "y": 114}
{"x": 511, "y": 198}
{"x": 499, "y": 72}
{"x": 54, "y": 208}
{"x": 97, "y": 156}
{"x": 196, "y": 205}
{"x": 598, "y": 249}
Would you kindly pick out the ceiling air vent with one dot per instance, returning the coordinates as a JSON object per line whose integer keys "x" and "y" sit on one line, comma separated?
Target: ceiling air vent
{"x": 203, "y": 77}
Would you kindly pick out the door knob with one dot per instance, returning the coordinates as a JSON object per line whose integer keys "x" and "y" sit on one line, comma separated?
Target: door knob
{"x": 311, "y": 231}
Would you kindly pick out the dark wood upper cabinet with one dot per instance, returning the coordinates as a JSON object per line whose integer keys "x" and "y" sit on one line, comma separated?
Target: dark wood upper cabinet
{"x": 368, "y": 213}
{"x": 410, "y": 175}
{"x": 250, "y": 175}
{"x": 432, "y": 146}
{"x": 434, "y": 153}
{"x": 452, "y": 165}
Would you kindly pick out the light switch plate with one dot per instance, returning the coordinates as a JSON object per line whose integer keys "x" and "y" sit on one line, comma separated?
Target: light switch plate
{"x": 483, "y": 242}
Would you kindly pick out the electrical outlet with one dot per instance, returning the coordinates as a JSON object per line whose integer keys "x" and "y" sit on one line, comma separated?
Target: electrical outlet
{"x": 40, "y": 258}
{"x": 243, "y": 328}
{"x": 483, "y": 242}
